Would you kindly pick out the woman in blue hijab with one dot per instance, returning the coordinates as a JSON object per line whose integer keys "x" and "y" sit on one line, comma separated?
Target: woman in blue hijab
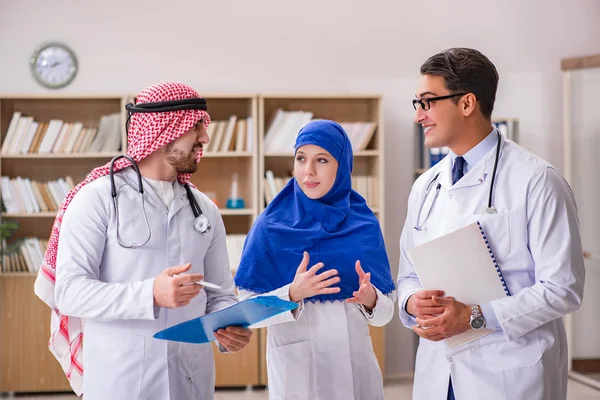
{"x": 321, "y": 350}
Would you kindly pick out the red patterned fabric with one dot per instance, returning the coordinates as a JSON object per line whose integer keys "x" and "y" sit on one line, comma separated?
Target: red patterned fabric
{"x": 147, "y": 133}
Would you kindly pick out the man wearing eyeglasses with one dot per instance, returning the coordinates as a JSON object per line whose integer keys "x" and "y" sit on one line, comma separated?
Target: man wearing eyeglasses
{"x": 529, "y": 215}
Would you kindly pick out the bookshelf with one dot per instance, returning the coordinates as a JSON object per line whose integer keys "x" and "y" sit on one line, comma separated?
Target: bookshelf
{"x": 279, "y": 158}
{"x": 27, "y": 365}
{"x": 214, "y": 178}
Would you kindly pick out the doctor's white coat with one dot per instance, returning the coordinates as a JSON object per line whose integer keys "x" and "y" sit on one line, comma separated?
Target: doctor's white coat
{"x": 535, "y": 238}
{"x": 323, "y": 351}
{"x": 111, "y": 288}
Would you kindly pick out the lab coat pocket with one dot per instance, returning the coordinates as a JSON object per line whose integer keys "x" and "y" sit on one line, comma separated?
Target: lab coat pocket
{"x": 523, "y": 352}
{"x": 113, "y": 365}
{"x": 497, "y": 230}
{"x": 290, "y": 370}
{"x": 424, "y": 353}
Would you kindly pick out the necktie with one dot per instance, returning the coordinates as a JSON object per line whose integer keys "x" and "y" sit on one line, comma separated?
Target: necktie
{"x": 458, "y": 169}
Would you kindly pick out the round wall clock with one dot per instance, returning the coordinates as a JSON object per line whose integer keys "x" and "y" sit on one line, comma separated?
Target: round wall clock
{"x": 54, "y": 65}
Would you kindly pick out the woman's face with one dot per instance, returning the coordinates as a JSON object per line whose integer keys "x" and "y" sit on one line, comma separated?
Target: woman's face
{"x": 315, "y": 170}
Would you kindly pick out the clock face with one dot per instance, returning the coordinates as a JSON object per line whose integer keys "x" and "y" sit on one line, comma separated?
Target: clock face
{"x": 477, "y": 322}
{"x": 54, "y": 65}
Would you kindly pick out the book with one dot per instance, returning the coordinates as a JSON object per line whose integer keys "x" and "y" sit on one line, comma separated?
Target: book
{"x": 244, "y": 314}
{"x": 463, "y": 265}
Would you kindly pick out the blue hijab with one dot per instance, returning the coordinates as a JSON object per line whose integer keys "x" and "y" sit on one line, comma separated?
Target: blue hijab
{"x": 336, "y": 229}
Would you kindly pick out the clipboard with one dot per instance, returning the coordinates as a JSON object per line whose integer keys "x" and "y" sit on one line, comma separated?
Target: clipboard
{"x": 463, "y": 265}
{"x": 244, "y": 314}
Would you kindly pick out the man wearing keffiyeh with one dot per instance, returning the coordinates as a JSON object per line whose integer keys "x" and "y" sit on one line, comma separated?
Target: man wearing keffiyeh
{"x": 114, "y": 298}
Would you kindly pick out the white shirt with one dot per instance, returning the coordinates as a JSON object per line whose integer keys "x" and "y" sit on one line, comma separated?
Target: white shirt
{"x": 164, "y": 189}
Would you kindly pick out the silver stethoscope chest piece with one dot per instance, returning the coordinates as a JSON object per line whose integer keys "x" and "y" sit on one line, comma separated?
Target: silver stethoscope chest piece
{"x": 491, "y": 210}
{"x": 201, "y": 224}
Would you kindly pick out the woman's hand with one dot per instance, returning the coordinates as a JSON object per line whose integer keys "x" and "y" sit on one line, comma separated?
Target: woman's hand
{"x": 308, "y": 283}
{"x": 366, "y": 294}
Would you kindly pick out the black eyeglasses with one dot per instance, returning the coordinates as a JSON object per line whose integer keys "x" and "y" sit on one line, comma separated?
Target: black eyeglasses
{"x": 425, "y": 102}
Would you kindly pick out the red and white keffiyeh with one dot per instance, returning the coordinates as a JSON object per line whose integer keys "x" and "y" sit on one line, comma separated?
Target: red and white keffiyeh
{"x": 147, "y": 133}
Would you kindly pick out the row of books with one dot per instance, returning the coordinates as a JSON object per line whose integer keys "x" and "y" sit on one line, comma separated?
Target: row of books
{"x": 233, "y": 135}
{"x": 24, "y": 256}
{"x": 367, "y": 186}
{"x": 28, "y": 136}
{"x": 27, "y": 254}
{"x": 283, "y": 129}
{"x": 25, "y": 196}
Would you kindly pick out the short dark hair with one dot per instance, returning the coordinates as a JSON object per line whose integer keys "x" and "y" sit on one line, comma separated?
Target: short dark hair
{"x": 466, "y": 71}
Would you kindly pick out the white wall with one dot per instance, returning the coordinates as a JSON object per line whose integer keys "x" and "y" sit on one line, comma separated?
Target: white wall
{"x": 315, "y": 45}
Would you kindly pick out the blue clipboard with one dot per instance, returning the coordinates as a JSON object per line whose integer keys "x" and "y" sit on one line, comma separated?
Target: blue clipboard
{"x": 244, "y": 314}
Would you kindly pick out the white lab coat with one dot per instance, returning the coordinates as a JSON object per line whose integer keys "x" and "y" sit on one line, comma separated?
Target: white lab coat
{"x": 535, "y": 238}
{"x": 111, "y": 288}
{"x": 323, "y": 351}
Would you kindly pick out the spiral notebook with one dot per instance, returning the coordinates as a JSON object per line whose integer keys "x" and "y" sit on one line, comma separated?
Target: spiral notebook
{"x": 463, "y": 265}
{"x": 244, "y": 314}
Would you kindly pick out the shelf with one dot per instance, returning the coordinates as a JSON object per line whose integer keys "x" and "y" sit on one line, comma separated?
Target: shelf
{"x": 321, "y": 96}
{"x": 235, "y": 211}
{"x": 18, "y": 274}
{"x": 229, "y": 154}
{"x": 364, "y": 153}
{"x": 45, "y": 214}
{"x": 59, "y": 156}
{"x": 52, "y": 214}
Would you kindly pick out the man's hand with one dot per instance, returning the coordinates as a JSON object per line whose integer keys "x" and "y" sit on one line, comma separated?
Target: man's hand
{"x": 366, "y": 294}
{"x": 422, "y": 306}
{"x": 308, "y": 283}
{"x": 453, "y": 321}
{"x": 171, "y": 292}
{"x": 233, "y": 338}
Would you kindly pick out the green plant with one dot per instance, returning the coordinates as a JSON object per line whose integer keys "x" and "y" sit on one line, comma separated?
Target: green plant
{"x": 7, "y": 228}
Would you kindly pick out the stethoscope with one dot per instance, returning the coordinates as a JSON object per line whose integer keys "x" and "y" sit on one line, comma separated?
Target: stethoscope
{"x": 489, "y": 209}
{"x": 201, "y": 223}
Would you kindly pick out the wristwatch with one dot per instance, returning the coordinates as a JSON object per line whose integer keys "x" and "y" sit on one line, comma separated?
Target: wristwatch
{"x": 476, "y": 321}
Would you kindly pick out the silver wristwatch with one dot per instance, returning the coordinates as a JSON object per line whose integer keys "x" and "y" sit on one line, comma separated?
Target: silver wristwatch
{"x": 476, "y": 321}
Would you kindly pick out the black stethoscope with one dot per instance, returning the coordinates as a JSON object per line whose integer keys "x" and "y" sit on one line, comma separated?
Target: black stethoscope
{"x": 489, "y": 210}
{"x": 201, "y": 223}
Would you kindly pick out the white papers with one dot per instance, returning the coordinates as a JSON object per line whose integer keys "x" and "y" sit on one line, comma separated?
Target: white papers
{"x": 461, "y": 265}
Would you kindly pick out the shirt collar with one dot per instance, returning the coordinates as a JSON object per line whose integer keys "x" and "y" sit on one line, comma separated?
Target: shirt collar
{"x": 476, "y": 154}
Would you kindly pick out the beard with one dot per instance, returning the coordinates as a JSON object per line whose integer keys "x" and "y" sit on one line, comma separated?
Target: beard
{"x": 184, "y": 163}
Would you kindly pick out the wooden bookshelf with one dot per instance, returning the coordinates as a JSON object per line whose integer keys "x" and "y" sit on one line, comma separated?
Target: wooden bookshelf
{"x": 342, "y": 108}
{"x": 27, "y": 364}
{"x": 214, "y": 175}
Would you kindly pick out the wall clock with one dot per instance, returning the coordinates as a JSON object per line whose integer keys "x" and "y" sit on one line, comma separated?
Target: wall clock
{"x": 54, "y": 65}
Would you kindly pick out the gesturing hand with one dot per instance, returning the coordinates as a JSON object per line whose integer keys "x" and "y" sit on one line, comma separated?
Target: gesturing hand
{"x": 308, "y": 283}
{"x": 169, "y": 291}
{"x": 366, "y": 294}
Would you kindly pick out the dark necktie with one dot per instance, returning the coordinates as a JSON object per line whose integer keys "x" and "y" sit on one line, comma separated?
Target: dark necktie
{"x": 458, "y": 170}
